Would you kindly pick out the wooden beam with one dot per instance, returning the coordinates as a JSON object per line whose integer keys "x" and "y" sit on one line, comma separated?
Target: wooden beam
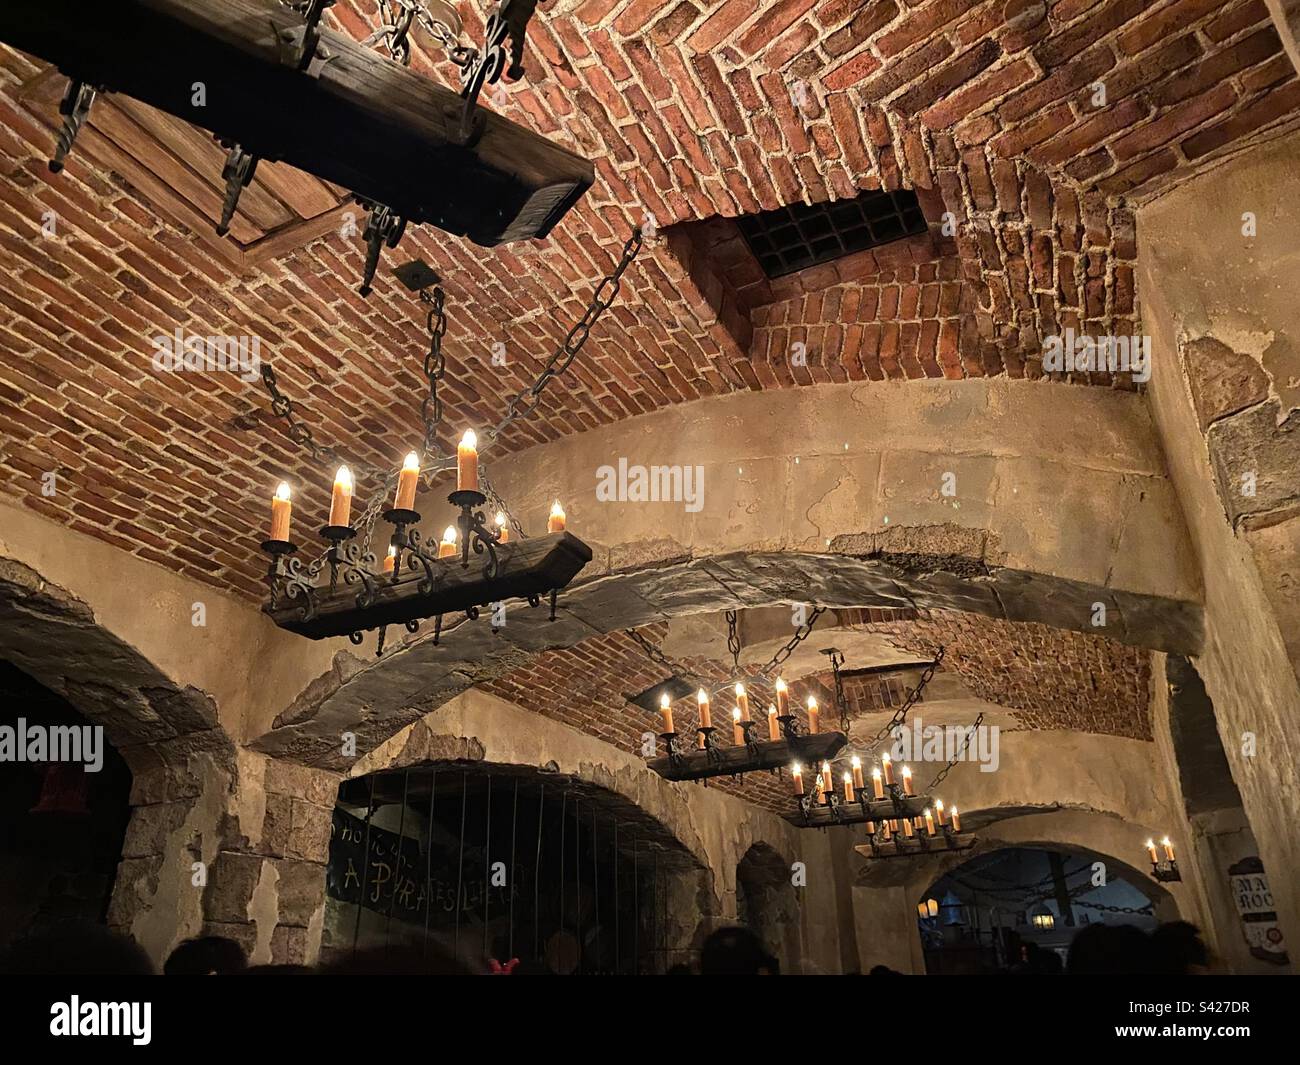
{"x": 526, "y": 567}
{"x": 354, "y": 117}
{"x": 697, "y": 764}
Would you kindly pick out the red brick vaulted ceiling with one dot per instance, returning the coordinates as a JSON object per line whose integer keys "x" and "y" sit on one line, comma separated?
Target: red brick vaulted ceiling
{"x": 689, "y": 111}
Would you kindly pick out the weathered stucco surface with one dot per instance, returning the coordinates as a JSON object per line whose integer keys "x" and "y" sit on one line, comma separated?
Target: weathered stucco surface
{"x": 1202, "y": 276}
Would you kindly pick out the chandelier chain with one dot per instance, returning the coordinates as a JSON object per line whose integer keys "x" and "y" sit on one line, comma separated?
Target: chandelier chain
{"x": 733, "y": 642}
{"x": 957, "y": 755}
{"x": 435, "y": 368}
{"x": 913, "y": 697}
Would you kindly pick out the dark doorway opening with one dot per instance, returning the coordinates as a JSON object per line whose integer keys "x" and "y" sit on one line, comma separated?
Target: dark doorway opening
{"x": 61, "y": 827}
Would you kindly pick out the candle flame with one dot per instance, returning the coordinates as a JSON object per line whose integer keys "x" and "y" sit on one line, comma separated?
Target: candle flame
{"x": 954, "y": 811}
{"x": 847, "y": 777}
{"x": 885, "y": 758}
{"x": 282, "y": 493}
{"x": 856, "y": 762}
{"x": 740, "y": 689}
{"x": 907, "y": 771}
{"x": 392, "y": 551}
{"x": 449, "y": 534}
{"x": 735, "y": 714}
{"x": 664, "y": 700}
{"x": 875, "y": 773}
{"x": 1165, "y": 842}
{"x": 797, "y": 769}
{"x": 501, "y": 519}
{"x": 1151, "y": 843}
{"x": 701, "y": 696}
{"x": 344, "y": 477}
{"x": 557, "y": 511}
{"x": 469, "y": 440}
{"x": 780, "y": 684}
{"x": 771, "y": 709}
{"x": 412, "y": 462}
{"x": 812, "y": 703}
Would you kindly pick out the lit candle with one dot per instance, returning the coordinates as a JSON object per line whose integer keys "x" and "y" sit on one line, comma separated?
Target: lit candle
{"x": 737, "y": 733}
{"x": 742, "y": 702}
{"x": 907, "y": 780}
{"x": 1169, "y": 849}
{"x": 814, "y": 717}
{"x": 908, "y": 829}
{"x": 796, "y": 773}
{"x": 467, "y": 463}
{"x": 884, "y": 831}
{"x": 555, "y": 523}
{"x": 929, "y": 821}
{"x": 665, "y": 708}
{"x": 938, "y": 810}
{"x": 773, "y": 726}
{"x": 922, "y": 910}
{"x": 877, "y": 788}
{"x": 856, "y": 763}
{"x": 448, "y": 546}
{"x": 888, "y": 767}
{"x": 827, "y": 780}
{"x": 341, "y": 503}
{"x": 821, "y": 788}
{"x": 1151, "y": 850}
{"x": 281, "y": 510}
{"x": 848, "y": 787}
{"x": 706, "y": 717}
{"x": 503, "y": 530}
{"x": 782, "y": 698}
{"x": 871, "y": 828}
{"x": 390, "y": 559}
{"x": 933, "y": 906}
{"x": 956, "y": 820}
{"x": 407, "y": 479}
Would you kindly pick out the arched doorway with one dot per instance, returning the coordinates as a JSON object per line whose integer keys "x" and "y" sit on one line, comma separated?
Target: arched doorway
{"x": 499, "y": 862}
{"x": 1017, "y": 909}
{"x": 766, "y": 903}
{"x": 63, "y": 809}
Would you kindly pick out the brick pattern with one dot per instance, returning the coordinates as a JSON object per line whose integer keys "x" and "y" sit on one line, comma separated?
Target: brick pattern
{"x": 690, "y": 110}
{"x": 1050, "y": 678}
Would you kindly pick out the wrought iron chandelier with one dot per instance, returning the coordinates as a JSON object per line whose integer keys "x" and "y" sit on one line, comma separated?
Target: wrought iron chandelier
{"x": 708, "y": 755}
{"x": 343, "y": 592}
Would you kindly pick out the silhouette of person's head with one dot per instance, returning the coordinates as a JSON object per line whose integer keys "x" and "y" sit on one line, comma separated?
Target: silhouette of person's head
{"x": 1179, "y": 949}
{"x": 206, "y": 956}
{"x": 1104, "y": 949}
{"x": 75, "y": 947}
{"x": 736, "y": 952}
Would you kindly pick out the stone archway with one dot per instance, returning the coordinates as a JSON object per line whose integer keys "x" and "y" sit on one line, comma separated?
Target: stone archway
{"x": 766, "y": 903}
{"x": 887, "y": 891}
{"x": 1013, "y": 906}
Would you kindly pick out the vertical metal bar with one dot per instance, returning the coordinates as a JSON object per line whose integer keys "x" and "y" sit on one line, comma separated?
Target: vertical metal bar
{"x": 460, "y": 861}
{"x": 397, "y": 862}
{"x": 510, "y": 872}
{"x": 618, "y": 966}
{"x": 537, "y": 877}
{"x": 428, "y": 863}
{"x": 487, "y": 866}
{"x": 595, "y": 881}
{"x": 564, "y": 806}
{"x": 636, "y": 908}
{"x": 365, "y": 866}
{"x": 577, "y": 881}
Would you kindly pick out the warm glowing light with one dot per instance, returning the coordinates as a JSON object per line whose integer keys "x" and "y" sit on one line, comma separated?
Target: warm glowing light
{"x": 814, "y": 716}
{"x": 408, "y": 478}
{"x": 467, "y": 463}
{"x": 665, "y": 708}
{"x": 282, "y": 493}
{"x": 503, "y": 531}
{"x": 1151, "y": 851}
{"x": 907, "y": 780}
{"x": 390, "y": 560}
{"x": 877, "y": 788}
{"x": 555, "y": 523}
{"x": 470, "y": 439}
{"x": 341, "y": 501}
{"x": 1169, "y": 849}
{"x": 281, "y": 509}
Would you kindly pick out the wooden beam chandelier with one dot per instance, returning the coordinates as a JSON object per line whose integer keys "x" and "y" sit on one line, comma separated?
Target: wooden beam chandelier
{"x": 708, "y": 754}
{"x": 270, "y": 82}
{"x": 477, "y": 563}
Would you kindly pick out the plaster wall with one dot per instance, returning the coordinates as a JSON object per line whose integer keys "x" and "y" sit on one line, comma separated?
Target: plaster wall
{"x": 1200, "y": 276}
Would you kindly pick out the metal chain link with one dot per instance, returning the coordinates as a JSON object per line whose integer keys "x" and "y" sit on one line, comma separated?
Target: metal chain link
{"x": 800, "y": 634}
{"x": 435, "y": 367}
{"x": 943, "y": 773}
{"x": 733, "y": 642}
{"x": 431, "y": 407}
{"x": 913, "y": 697}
